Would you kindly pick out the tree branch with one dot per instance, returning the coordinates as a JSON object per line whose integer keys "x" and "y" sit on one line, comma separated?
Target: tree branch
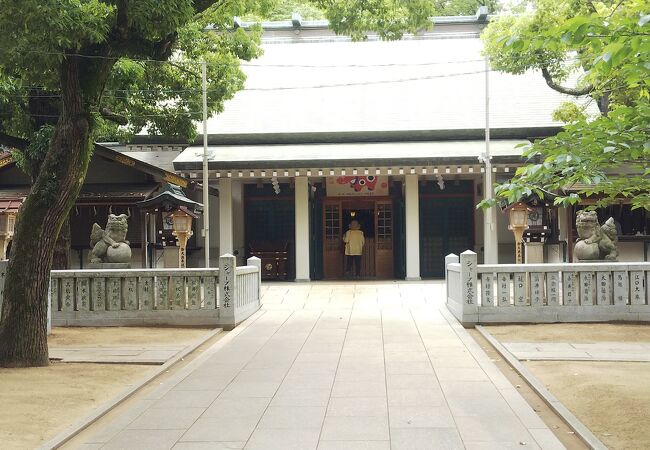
{"x": 183, "y": 69}
{"x": 113, "y": 117}
{"x": 122, "y": 24}
{"x": 590, "y": 6}
{"x": 13, "y": 141}
{"x": 615, "y": 8}
{"x": 565, "y": 90}
{"x": 201, "y": 5}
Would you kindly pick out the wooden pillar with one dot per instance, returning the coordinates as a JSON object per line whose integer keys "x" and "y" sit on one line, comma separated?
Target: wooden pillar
{"x": 411, "y": 194}
{"x": 570, "y": 212}
{"x": 301, "y": 209}
{"x": 143, "y": 237}
{"x": 225, "y": 216}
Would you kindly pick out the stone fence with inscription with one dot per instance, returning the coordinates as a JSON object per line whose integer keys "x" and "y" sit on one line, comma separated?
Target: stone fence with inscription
{"x": 221, "y": 297}
{"x": 545, "y": 293}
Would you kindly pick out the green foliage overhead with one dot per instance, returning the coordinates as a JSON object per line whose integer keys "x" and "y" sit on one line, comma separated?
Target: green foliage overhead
{"x": 505, "y": 39}
{"x": 389, "y": 18}
{"x": 607, "y": 157}
{"x": 149, "y": 52}
{"x": 147, "y": 86}
{"x": 464, "y": 7}
{"x": 285, "y": 8}
{"x": 308, "y": 11}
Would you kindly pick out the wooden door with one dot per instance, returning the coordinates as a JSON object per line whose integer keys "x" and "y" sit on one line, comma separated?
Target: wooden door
{"x": 446, "y": 226}
{"x": 332, "y": 240}
{"x": 399, "y": 239}
{"x": 384, "y": 239}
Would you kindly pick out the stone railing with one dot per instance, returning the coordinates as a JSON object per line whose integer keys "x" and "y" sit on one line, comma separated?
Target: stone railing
{"x": 585, "y": 292}
{"x": 224, "y": 296}
{"x": 239, "y": 289}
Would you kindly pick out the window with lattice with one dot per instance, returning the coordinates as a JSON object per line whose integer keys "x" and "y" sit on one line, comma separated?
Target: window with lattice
{"x": 332, "y": 227}
{"x": 384, "y": 233}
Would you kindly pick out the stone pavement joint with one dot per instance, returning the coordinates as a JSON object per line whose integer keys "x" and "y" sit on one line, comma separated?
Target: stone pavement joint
{"x": 567, "y": 416}
{"x": 121, "y": 354}
{"x": 332, "y": 366}
{"x": 564, "y": 351}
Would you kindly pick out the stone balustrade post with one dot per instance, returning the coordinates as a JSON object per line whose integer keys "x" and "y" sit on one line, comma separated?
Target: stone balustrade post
{"x": 227, "y": 288}
{"x": 255, "y": 261}
{"x": 469, "y": 286}
{"x": 449, "y": 259}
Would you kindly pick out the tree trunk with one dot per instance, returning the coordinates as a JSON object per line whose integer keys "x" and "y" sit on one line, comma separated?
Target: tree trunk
{"x": 603, "y": 104}
{"x": 61, "y": 259}
{"x": 23, "y": 325}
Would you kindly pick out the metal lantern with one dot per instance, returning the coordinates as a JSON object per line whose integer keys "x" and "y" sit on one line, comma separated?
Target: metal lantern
{"x": 182, "y": 229}
{"x": 181, "y": 222}
{"x": 518, "y": 218}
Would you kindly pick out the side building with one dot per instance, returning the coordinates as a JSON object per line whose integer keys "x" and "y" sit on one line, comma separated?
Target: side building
{"x": 115, "y": 183}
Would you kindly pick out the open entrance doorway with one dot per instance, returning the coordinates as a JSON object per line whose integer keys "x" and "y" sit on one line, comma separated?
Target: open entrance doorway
{"x": 376, "y": 219}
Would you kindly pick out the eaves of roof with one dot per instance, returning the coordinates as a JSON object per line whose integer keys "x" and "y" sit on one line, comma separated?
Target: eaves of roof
{"x": 342, "y": 155}
{"x": 164, "y": 175}
{"x": 6, "y": 160}
{"x": 360, "y": 136}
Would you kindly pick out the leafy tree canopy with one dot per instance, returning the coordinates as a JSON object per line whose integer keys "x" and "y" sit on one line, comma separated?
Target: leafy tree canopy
{"x": 606, "y": 45}
{"x": 308, "y": 11}
{"x": 285, "y": 8}
{"x": 159, "y": 88}
{"x": 154, "y": 80}
{"x": 464, "y": 7}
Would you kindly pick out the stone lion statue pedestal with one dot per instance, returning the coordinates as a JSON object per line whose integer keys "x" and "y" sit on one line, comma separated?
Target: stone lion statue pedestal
{"x": 110, "y": 249}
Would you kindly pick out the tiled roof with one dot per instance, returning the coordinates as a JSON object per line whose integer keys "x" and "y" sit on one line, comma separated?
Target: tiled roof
{"x": 446, "y": 90}
{"x": 161, "y": 159}
{"x": 10, "y": 205}
{"x": 157, "y": 156}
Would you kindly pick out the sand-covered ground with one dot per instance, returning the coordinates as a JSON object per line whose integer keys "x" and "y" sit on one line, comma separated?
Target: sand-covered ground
{"x": 40, "y": 402}
{"x": 577, "y": 333}
{"x": 611, "y": 398}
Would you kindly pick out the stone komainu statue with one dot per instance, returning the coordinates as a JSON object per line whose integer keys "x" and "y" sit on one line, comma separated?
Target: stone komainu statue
{"x": 596, "y": 242}
{"x": 110, "y": 245}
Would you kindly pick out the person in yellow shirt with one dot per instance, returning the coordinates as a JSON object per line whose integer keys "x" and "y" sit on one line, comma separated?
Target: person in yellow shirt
{"x": 354, "y": 241}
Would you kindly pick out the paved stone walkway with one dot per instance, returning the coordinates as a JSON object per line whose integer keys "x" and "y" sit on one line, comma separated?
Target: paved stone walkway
{"x": 337, "y": 366}
{"x": 564, "y": 351}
